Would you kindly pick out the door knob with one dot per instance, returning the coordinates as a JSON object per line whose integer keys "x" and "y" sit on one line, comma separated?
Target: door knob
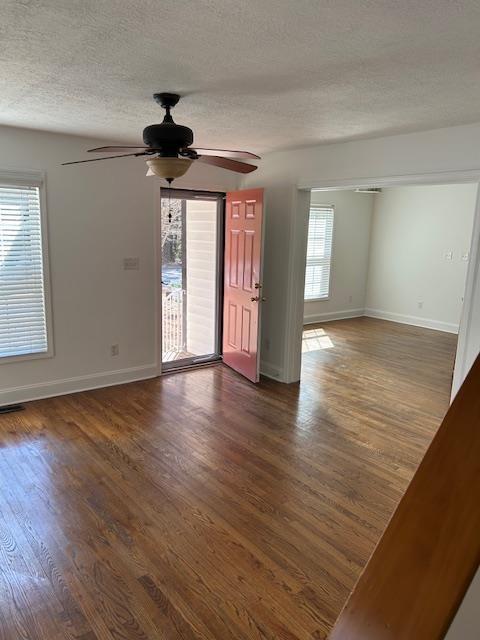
{"x": 257, "y": 299}
{"x": 258, "y": 285}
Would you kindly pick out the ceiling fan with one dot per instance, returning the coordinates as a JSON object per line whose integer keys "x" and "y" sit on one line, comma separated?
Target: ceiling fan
{"x": 169, "y": 151}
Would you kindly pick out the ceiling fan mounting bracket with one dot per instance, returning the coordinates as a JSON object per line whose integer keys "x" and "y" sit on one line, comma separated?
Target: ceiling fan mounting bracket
{"x": 166, "y": 100}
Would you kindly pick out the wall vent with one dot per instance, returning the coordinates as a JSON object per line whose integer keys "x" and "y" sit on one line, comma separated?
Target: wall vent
{"x": 10, "y": 408}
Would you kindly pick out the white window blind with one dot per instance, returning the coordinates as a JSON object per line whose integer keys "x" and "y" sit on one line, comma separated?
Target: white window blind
{"x": 319, "y": 252}
{"x": 23, "y": 327}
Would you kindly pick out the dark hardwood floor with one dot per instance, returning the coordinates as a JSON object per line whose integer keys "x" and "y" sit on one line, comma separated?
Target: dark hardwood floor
{"x": 199, "y": 506}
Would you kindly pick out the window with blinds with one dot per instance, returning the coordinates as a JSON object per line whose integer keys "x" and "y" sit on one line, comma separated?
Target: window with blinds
{"x": 319, "y": 252}
{"x": 23, "y": 324}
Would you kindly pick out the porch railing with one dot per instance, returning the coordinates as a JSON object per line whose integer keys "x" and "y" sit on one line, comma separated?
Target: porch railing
{"x": 173, "y": 338}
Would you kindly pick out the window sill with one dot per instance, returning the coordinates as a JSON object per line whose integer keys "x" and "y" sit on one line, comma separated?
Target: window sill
{"x": 26, "y": 357}
{"x": 316, "y": 299}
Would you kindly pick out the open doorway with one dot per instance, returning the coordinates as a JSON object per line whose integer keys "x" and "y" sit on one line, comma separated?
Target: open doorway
{"x": 385, "y": 277}
{"x": 191, "y": 276}
{"x": 210, "y": 257}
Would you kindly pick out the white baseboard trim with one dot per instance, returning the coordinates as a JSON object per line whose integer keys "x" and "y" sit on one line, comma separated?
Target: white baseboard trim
{"x": 426, "y": 323}
{"x": 76, "y": 384}
{"x": 314, "y": 318}
{"x": 270, "y": 371}
{"x": 26, "y": 393}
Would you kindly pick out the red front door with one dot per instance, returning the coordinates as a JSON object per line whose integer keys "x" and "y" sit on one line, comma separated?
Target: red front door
{"x": 243, "y": 293}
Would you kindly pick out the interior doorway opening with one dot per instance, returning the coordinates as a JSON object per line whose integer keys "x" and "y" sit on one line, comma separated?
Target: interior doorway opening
{"x": 395, "y": 254}
{"x": 192, "y": 225}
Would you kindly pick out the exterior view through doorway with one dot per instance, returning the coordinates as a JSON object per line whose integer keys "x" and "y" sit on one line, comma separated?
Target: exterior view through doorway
{"x": 191, "y": 276}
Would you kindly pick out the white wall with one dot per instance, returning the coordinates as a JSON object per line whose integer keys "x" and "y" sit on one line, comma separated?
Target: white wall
{"x": 350, "y": 250}
{"x": 466, "y": 624}
{"x": 434, "y": 154}
{"x": 98, "y": 214}
{"x": 410, "y": 278}
{"x": 92, "y": 227}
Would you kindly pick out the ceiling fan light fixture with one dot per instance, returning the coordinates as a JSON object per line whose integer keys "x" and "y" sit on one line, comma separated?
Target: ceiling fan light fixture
{"x": 168, "y": 168}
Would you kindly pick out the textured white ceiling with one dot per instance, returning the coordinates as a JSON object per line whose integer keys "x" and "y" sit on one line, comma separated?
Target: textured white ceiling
{"x": 259, "y": 75}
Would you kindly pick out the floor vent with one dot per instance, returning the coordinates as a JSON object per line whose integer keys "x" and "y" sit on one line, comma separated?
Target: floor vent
{"x": 10, "y": 408}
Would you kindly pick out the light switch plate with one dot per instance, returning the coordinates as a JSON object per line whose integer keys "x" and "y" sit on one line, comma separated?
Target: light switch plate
{"x": 131, "y": 264}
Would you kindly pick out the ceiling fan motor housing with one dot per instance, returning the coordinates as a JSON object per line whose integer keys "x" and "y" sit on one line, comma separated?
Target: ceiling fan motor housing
{"x": 169, "y": 137}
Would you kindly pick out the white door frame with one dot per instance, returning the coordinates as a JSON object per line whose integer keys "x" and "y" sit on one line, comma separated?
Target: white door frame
{"x": 296, "y": 280}
{"x": 157, "y": 243}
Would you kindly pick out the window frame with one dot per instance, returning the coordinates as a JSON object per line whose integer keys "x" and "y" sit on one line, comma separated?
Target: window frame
{"x": 14, "y": 178}
{"x": 327, "y": 297}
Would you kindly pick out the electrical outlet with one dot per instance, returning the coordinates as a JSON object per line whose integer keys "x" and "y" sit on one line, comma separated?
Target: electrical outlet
{"x": 420, "y": 304}
{"x": 114, "y": 350}
{"x": 131, "y": 264}
{"x": 350, "y": 299}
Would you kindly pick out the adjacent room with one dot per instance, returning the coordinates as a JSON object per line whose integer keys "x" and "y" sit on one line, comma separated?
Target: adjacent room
{"x": 396, "y": 255}
{"x": 239, "y": 320}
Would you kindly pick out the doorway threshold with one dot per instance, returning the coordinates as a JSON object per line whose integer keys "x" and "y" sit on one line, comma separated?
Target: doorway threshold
{"x": 200, "y": 363}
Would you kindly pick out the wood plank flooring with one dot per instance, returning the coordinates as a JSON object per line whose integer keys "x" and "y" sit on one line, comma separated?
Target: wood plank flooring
{"x": 199, "y": 506}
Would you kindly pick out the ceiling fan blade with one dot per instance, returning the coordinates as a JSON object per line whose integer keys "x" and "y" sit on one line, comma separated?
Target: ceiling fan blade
{"x": 225, "y": 153}
{"x": 123, "y": 155}
{"x": 227, "y": 163}
{"x": 116, "y": 149}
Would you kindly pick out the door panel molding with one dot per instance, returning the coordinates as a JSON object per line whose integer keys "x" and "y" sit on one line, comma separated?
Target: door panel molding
{"x": 243, "y": 260}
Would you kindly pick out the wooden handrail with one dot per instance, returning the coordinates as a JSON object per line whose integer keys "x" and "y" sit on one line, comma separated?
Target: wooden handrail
{"x": 420, "y": 570}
